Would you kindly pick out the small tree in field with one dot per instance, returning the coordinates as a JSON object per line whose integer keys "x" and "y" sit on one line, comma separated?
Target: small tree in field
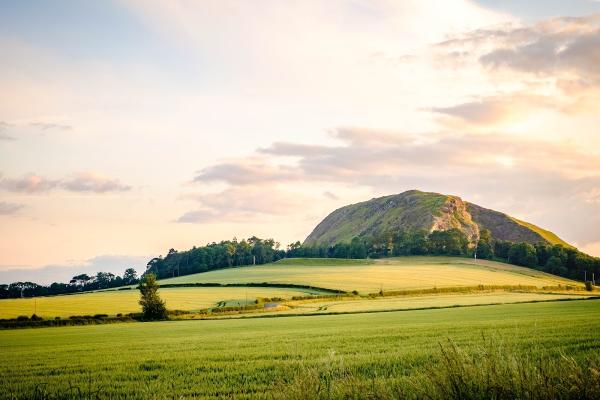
{"x": 152, "y": 305}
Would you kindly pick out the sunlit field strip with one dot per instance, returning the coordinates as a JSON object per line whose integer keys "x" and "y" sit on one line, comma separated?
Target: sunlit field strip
{"x": 402, "y": 273}
{"x": 126, "y": 301}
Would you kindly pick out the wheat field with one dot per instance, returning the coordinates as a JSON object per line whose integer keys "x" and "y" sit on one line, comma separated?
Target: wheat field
{"x": 126, "y": 301}
{"x": 369, "y": 276}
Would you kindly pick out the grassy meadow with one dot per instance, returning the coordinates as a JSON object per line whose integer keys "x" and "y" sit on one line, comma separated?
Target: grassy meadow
{"x": 377, "y": 355}
{"x": 126, "y": 301}
{"x": 371, "y": 276}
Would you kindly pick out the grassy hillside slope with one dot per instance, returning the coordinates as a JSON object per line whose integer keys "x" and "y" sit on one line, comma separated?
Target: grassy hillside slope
{"x": 415, "y": 210}
{"x": 369, "y": 276}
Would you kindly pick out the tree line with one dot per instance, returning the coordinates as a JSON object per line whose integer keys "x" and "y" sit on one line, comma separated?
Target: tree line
{"x": 224, "y": 254}
{"x": 79, "y": 283}
{"x": 555, "y": 259}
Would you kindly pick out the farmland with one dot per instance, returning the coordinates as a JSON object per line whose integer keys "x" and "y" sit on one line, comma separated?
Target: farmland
{"x": 350, "y": 305}
{"x": 369, "y": 276}
{"x": 447, "y": 275}
{"x": 126, "y": 301}
{"x": 266, "y": 357}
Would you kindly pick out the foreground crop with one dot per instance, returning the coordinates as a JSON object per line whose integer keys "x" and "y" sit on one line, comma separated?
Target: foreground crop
{"x": 261, "y": 358}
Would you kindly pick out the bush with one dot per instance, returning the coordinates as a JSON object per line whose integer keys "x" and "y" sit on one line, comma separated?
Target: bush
{"x": 22, "y": 318}
{"x": 588, "y": 286}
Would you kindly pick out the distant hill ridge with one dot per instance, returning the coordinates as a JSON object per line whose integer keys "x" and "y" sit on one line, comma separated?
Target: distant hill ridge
{"x": 416, "y": 210}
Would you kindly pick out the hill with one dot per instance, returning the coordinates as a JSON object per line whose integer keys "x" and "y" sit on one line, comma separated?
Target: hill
{"x": 415, "y": 210}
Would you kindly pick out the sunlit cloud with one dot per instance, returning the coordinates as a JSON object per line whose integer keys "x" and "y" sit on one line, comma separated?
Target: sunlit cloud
{"x": 78, "y": 182}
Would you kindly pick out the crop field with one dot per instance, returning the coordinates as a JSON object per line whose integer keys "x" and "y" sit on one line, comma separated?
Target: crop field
{"x": 416, "y": 302}
{"x": 293, "y": 357}
{"x": 126, "y": 301}
{"x": 369, "y": 276}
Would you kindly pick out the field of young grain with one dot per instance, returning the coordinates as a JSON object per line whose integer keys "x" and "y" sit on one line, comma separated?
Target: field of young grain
{"x": 126, "y": 301}
{"x": 349, "y": 305}
{"x": 309, "y": 356}
{"x": 369, "y": 276}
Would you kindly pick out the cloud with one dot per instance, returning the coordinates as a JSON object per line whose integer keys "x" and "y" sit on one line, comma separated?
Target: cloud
{"x": 93, "y": 182}
{"x": 490, "y": 110}
{"x": 250, "y": 172}
{"x": 562, "y": 48}
{"x": 551, "y": 65}
{"x": 556, "y": 46}
{"x": 50, "y": 126}
{"x": 4, "y": 136}
{"x": 63, "y": 273}
{"x": 31, "y": 183}
{"x": 243, "y": 204}
{"x": 78, "y": 182}
{"x": 9, "y": 208}
{"x": 4, "y": 126}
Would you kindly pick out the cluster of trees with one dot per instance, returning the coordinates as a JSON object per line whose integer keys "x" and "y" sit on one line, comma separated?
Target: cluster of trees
{"x": 399, "y": 243}
{"x": 225, "y": 254}
{"x": 555, "y": 259}
{"x": 79, "y": 283}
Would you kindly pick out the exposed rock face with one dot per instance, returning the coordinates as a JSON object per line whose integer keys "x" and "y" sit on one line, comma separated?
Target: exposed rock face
{"x": 454, "y": 214}
{"x": 415, "y": 210}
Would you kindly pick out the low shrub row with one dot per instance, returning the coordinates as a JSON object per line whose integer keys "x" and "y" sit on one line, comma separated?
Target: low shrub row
{"x": 35, "y": 321}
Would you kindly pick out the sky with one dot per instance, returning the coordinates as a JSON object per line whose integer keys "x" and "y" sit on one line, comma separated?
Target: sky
{"x": 131, "y": 127}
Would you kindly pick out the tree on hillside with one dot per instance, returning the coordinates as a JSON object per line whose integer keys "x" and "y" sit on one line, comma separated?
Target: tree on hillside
{"x": 130, "y": 276}
{"x": 523, "y": 254}
{"x": 484, "y": 245}
{"x": 357, "y": 248}
{"x": 153, "y": 306}
{"x": 80, "y": 280}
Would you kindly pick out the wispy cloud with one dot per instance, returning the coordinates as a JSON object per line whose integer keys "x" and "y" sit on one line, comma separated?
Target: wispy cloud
{"x": 3, "y": 127}
{"x": 45, "y": 126}
{"x": 31, "y": 183}
{"x": 78, "y": 182}
{"x": 7, "y": 208}
{"x": 243, "y": 204}
{"x": 93, "y": 182}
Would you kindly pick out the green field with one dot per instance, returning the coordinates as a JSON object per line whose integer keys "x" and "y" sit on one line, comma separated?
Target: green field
{"x": 370, "y": 276}
{"x": 266, "y": 357}
{"x": 350, "y": 305}
{"x": 365, "y": 276}
{"x": 126, "y": 301}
